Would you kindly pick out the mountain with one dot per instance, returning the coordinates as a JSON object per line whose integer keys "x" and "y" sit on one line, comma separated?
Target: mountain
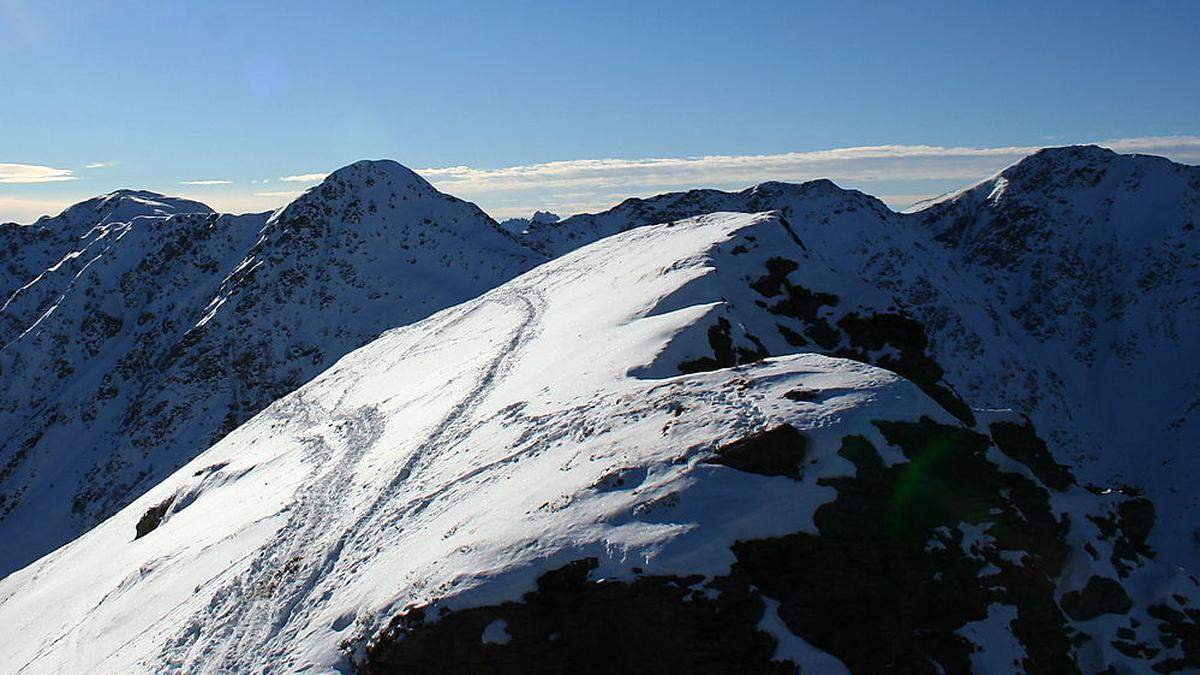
{"x": 30, "y": 250}
{"x": 595, "y": 467}
{"x": 154, "y": 326}
{"x": 1065, "y": 288}
{"x": 1093, "y": 260}
{"x": 759, "y": 430}
{"x": 519, "y": 225}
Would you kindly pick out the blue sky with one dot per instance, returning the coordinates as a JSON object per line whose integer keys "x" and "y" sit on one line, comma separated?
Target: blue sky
{"x": 159, "y": 95}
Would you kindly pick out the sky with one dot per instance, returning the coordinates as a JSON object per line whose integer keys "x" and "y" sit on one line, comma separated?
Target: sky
{"x": 573, "y": 106}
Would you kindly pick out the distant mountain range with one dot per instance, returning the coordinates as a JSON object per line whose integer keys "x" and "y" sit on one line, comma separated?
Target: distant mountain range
{"x": 785, "y": 427}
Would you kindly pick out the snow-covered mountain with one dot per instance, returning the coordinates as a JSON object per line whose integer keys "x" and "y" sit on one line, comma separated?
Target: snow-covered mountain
{"x": 153, "y": 327}
{"x": 758, "y": 430}
{"x": 1092, "y": 261}
{"x": 552, "y": 474}
{"x": 519, "y": 225}
{"x": 1067, "y": 288}
{"x": 31, "y": 250}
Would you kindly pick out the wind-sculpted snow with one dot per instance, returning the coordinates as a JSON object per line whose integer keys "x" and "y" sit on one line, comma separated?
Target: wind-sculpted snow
{"x": 150, "y": 336}
{"x": 1066, "y": 288}
{"x": 526, "y": 480}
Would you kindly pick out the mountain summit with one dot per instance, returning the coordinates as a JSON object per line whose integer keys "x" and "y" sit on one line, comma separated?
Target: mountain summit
{"x": 138, "y": 347}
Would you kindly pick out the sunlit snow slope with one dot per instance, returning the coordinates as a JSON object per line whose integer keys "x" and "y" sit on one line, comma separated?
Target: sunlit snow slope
{"x": 597, "y": 465}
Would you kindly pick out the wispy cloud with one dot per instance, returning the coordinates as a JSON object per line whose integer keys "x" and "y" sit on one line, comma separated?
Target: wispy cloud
{"x": 205, "y": 182}
{"x": 33, "y": 173}
{"x": 304, "y": 177}
{"x": 897, "y": 174}
{"x": 880, "y": 169}
{"x": 98, "y": 165}
{"x": 868, "y": 163}
{"x": 24, "y": 210}
{"x": 865, "y": 163}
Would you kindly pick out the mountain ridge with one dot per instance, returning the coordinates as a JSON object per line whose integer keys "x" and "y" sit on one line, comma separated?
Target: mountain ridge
{"x": 375, "y": 423}
{"x": 150, "y": 343}
{"x": 538, "y": 474}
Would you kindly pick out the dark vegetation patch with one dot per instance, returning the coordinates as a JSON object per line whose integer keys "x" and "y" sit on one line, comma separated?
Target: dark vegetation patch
{"x": 886, "y": 339}
{"x": 1127, "y": 525}
{"x": 1021, "y": 442}
{"x": 775, "y": 452}
{"x": 725, "y": 353}
{"x": 152, "y": 518}
{"x": 792, "y": 337}
{"x": 797, "y": 302}
{"x": 1178, "y": 627}
{"x": 872, "y": 566}
{"x": 884, "y": 585}
{"x": 1100, "y": 596}
{"x": 802, "y": 395}
{"x": 906, "y": 337}
{"x": 571, "y": 624}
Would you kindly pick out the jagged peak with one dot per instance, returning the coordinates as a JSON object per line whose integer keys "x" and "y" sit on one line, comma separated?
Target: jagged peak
{"x": 155, "y": 200}
{"x": 387, "y": 197}
{"x": 1070, "y": 153}
{"x": 818, "y": 193}
{"x": 767, "y": 190}
{"x": 817, "y": 184}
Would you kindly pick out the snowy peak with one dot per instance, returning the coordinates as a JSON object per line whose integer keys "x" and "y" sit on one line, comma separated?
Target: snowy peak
{"x": 122, "y": 206}
{"x": 1087, "y": 259}
{"x": 388, "y": 195}
{"x": 1088, "y": 189}
{"x": 819, "y": 199}
{"x": 367, "y": 173}
{"x": 821, "y": 188}
{"x": 144, "y": 345}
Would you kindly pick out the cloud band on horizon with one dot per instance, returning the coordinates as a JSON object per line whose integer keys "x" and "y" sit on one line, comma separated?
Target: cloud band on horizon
{"x": 898, "y": 174}
{"x": 597, "y": 183}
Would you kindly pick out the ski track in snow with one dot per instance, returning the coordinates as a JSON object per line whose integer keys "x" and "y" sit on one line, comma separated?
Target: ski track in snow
{"x": 256, "y": 620}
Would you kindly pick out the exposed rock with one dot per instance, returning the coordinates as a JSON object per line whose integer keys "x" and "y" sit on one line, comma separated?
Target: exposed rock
{"x": 775, "y": 452}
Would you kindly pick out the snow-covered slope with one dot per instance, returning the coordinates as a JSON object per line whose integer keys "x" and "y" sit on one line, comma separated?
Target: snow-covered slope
{"x": 529, "y": 478}
{"x": 1092, "y": 259}
{"x": 30, "y": 250}
{"x": 149, "y": 335}
{"x": 1067, "y": 288}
